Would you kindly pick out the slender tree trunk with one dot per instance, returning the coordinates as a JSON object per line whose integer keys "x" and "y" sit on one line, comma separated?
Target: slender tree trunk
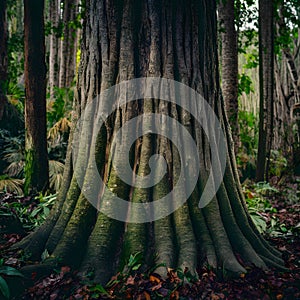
{"x": 3, "y": 57}
{"x": 149, "y": 38}
{"x": 36, "y": 161}
{"x": 229, "y": 60}
{"x": 10, "y": 118}
{"x": 68, "y": 44}
{"x": 283, "y": 136}
{"x": 266, "y": 80}
{"x": 54, "y": 42}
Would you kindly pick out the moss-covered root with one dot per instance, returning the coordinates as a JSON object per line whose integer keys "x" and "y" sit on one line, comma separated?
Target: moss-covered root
{"x": 136, "y": 238}
{"x": 163, "y": 232}
{"x": 103, "y": 247}
{"x": 185, "y": 238}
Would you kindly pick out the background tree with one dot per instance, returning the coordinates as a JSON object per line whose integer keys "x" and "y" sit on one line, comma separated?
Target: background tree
{"x": 266, "y": 79}
{"x": 10, "y": 118}
{"x": 287, "y": 78}
{"x": 3, "y": 56}
{"x": 36, "y": 160}
{"x": 69, "y": 43}
{"x": 229, "y": 61}
{"x": 122, "y": 41}
{"x": 55, "y": 20}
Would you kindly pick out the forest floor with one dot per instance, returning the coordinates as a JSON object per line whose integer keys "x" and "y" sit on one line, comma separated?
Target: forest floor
{"x": 256, "y": 284}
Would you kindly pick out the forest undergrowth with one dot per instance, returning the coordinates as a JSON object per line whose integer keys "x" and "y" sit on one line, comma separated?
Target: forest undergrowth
{"x": 274, "y": 208}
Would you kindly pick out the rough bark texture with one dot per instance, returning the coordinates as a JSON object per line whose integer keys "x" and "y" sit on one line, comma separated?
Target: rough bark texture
{"x": 283, "y": 134}
{"x": 68, "y": 44}
{"x": 54, "y": 17}
{"x": 266, "y": 81}
{"x": 3, "y": 57}
{"x": 130, "y": 39}
{"x": 36, "y": 160}
{"x": 229, "y": 61}
{"x": 287, "y": 91}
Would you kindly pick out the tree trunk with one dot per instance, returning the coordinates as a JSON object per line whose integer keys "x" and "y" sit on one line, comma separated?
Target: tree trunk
{"x": 68, "y": 44}
{"x": 149, "y": 38}
{"x": 36, "y": 160}
{"x": 266, "y": 83}
{"x": 3, "y": 57}
{"x": 54, "y": 16}
{"x": 283, "y": 133}
{"x": 229, "y": 60}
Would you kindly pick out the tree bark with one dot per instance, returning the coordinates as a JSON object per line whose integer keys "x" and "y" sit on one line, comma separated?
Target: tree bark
{"x": 3, "y": 57}
{"x": 68, "y": 44}
{"x": 54, "y": 16}
{"x": 36, "y": 160}
{"x": 266, "y": 80}
{"x": 149, "y": 38}
{"x": 229, "y": 61}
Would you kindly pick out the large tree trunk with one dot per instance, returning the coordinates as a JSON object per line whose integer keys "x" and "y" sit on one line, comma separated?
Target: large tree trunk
{"x": 36, "y": 156}
{"x": 229, "y": 60}
{"x": 266, "y": 84}
{"x": 149, "y": 38}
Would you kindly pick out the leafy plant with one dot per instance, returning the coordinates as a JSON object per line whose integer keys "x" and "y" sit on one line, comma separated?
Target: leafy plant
{"x": 40, "y": 213}
{"x": 248, "y": 123}
{"x": 13, "y": 154}
{"x": 278, "y": 163}
{"x": 60, "y": 106}
{"x": 7, "y": 271}
{"x": 258, "y": 204}
{"x": 246, "y": 158}
{"x": 56, "y": 170}
{"x": 13, "y": 157}
{"x": 16, "y": 96}
{"x": 11, "y": 185}
{"x": 58, "y": 115}
{"x": 31, "y": 212}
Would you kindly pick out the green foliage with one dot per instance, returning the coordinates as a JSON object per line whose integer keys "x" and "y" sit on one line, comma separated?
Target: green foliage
{"x": 59, "y": 124}
{"x": 262, "y": 213}
{"x": 16, "y": 96}
{"x": 39, "y": 214}
{"x": 248, "y": 123}
{"x": 61, "y": 106}
{"x": 278, "y": 163}
{"x": 246, "y": 16}
{"x": 31, "y": 213}
{"x": 257, "y": 203}
{"x": 98, "y": 291}
{"x": 15, "y": 43}
{"x": 13, "y": 154}
{"x": 13, "y": 158}
{"x": 245, "y": 84}
{"x": 15, "y": 48}
{"x": 287, "y": 16}
{"x": 6, "y": 271}
{"x": 51, "y": 29}
{"x": 252, "y": 59}
{"x": 246, "y": 158}
{"x": 247, "y": 38}
{"x": 29, "y": 167}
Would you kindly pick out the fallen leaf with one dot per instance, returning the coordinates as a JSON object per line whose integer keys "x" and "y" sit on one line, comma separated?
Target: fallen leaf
{"x": 154, "y": 279}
